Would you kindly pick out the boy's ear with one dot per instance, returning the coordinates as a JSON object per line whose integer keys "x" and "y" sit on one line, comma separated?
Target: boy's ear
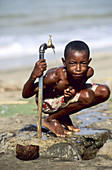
{"x": 63, "y": 60}
{"x": 89, "y": 60}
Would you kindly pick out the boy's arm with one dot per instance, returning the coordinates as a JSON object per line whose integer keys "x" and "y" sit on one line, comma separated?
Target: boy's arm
{"x": 30, "y": 88}
{"x": 51, "y": 77}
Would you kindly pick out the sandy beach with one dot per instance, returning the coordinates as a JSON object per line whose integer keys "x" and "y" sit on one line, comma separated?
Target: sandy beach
{"x": 24, "y": 26}
{"x": 11, "y": 84}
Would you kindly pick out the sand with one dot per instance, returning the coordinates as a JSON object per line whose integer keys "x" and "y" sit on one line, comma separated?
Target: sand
{"x": 11, "y": 84}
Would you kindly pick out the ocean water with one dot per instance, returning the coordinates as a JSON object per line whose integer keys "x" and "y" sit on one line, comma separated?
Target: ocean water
{"x": 26, "y": 24}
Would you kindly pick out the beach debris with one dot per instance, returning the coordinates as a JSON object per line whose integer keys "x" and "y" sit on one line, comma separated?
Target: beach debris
{"x": 83, "y": 145}
{"x": 27, "y": 152}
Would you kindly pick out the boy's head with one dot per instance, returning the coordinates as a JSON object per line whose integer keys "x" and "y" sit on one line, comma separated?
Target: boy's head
{"x": 76, "y": 46}
{"x": 76, "y": 59}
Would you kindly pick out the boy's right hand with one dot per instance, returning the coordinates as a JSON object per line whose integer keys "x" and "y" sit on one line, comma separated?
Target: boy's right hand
{"x": 40, "y": 67}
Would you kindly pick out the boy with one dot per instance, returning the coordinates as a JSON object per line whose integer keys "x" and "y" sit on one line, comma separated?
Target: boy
{"x": 65, "y": 88}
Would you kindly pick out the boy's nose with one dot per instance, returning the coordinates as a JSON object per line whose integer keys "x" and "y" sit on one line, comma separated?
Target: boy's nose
{"x": 78, "y": 67}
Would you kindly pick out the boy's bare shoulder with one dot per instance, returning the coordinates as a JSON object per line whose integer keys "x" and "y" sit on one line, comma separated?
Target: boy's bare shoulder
{"x": 60, "y": 69}
{"x": 55, "y": 71}
{"x": 53, "y": 75}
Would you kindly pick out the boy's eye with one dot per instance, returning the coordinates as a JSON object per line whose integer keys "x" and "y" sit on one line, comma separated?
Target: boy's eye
{"x": 73, "y": 63}
{"x": 84, "y": 63}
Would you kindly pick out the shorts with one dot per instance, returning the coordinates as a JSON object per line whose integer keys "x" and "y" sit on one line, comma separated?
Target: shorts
{"x": 53, "y": 104}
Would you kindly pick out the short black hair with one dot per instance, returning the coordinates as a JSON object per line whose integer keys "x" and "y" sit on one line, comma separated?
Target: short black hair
{"x": 76, "y": 46}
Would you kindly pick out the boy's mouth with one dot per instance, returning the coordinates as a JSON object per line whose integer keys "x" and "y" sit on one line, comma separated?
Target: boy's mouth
{"x": 78, "y": 76}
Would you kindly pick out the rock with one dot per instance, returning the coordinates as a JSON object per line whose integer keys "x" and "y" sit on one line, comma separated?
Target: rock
{"x": 28, "y": 152}
{"x": 29, "y": 127}
{"x": 5, "y": 136}
{"x": 87, "y": 141}
{"x": 63, "y": 151}
{"x": 32, "y": 127}
{"x": 84, "y": 144}
{"x": 106, "y": 149}
{"x": 93, "y": 140}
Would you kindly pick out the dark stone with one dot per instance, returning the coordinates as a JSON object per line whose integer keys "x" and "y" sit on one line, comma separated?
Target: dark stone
{"x": 93, "y": 142}
{"x": 63, "y": 151}
{"x": 32, "y": 127}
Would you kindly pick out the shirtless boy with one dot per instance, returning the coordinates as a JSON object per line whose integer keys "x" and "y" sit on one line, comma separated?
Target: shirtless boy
{"x": 65, "y": 89}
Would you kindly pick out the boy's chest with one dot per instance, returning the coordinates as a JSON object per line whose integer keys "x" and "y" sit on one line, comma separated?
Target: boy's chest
{"x": 64, "y": 84}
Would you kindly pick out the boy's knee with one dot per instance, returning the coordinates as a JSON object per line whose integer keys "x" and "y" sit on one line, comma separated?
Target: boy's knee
{"x": 87, "y": 96}
{"x": 103, "y": 91}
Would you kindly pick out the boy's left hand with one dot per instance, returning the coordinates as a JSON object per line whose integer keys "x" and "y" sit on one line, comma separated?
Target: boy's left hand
{"x": 69, "y": 92}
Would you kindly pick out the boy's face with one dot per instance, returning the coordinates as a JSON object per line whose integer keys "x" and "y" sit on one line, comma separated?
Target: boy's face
{"x": 76, "y": 63}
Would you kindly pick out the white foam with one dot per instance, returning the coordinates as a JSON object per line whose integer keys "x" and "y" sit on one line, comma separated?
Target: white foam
{"x": 15, "y": 50}
{"x": 18, "y": 46}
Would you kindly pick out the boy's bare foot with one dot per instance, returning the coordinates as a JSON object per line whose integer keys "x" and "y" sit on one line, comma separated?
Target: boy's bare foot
{"x": 54, "y": 126}
{"x": 74, "y": 129}
{"x": 68, "y": 124}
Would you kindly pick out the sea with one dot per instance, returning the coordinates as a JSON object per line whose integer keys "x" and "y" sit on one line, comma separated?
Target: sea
{"x": 26, "y": 24}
